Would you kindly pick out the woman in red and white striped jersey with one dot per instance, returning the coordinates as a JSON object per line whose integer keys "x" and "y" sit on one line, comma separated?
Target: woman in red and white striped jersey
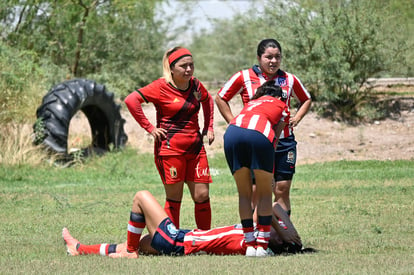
{"x": 245, "y": 83}
{"x": 249, "y": 144}
{"x": 164, "y": 238}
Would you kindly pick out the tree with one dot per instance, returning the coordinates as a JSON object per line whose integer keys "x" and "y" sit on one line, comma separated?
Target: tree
{"x": 337, "y": 47}
{"x": 89, "y": 37}
{"x": 333, "y": 47}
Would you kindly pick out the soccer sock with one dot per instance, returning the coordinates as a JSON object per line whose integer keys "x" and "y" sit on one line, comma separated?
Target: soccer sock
{"x": 202, "y": 213}
{"x": 263, "y": 234}
{"x": 102, "y": 249}
{"x": 136, "y": 225}
{"x": 173, "y": 211}
{"x": 248, "y": 231}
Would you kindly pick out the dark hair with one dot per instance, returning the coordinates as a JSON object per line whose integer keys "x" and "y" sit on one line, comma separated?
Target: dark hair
{"x": 266, "y": 43}
{"x": 270, "y": 88}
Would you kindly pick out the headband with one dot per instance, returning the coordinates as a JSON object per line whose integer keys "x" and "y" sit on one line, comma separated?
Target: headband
{"x": 178, "y": 54}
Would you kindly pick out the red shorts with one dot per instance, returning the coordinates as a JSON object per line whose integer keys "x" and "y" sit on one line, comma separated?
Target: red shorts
{"x": 186, "y": 168}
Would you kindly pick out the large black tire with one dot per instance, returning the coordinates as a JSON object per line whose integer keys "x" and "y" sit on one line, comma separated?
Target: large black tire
{"x": 62, "y": 102}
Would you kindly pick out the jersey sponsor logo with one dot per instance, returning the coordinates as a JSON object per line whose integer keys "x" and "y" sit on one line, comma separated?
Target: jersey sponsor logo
{"x": 290, "y": 157}
{"x": 281, "y": 81}
{"x": 173, "y": 172}
{"x": 176, "y": 100}
{"x": 202, "y": 172}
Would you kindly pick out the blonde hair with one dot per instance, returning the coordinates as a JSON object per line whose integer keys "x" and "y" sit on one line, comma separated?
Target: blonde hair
{"x": 166, "y": 67}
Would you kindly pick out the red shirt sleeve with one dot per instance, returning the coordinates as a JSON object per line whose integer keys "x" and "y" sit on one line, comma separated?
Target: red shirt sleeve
{"x": 208, "y": 112}
{"x": 208, "y": 108}
{"x": 299, "y": 90}
{"x": 133, "y": 102}
{"x": 232, "y": 87}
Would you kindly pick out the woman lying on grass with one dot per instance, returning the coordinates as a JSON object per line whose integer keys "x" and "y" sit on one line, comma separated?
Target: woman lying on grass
{"x": 165, "y": 239}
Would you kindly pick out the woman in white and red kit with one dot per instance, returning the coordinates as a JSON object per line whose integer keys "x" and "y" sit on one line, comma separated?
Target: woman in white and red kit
{"x": 179, "y": 152}
{"x": 164, "y": 238}
{"x": 249, "y": 144}
{"x": 245, "y": 83}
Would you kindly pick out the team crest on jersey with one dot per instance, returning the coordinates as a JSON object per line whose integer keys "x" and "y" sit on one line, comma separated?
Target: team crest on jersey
{"x": 281, "y": 81}
{"x": 290, "y": 157}
{"x": 172, "y": 229}
{"x": 197, "y": 95}
{"x": 173, "y": 172}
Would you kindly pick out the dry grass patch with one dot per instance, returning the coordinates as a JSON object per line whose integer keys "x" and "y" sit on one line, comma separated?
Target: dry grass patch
{"x": 16, "y": 145}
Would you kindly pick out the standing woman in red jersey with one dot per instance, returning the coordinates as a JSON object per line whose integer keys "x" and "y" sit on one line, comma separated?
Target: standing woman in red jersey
{"x": 249, "y": 144}
{"x": 179, "y": 152}
{"x": 246, "y": 82}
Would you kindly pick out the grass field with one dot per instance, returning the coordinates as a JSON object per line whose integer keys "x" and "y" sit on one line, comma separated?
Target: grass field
{"x": 359, "y": 215}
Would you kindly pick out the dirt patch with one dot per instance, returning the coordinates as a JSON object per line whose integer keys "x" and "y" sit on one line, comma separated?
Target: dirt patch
{"x": 319, "y": 139}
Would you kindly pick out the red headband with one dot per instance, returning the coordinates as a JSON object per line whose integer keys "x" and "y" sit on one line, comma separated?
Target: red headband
{"x": 178, "y": 54}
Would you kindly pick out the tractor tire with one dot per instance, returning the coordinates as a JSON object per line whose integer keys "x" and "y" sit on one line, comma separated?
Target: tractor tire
{"x": 64, "y": 100}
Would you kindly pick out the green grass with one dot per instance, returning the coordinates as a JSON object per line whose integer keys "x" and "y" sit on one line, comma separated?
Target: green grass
{"x": 359, "y": 215}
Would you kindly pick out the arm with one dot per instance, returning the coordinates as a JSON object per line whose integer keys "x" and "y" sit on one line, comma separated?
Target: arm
{"x": 278, "y": 130}
{"x": 300, "y": 114}
{"x": 305, "y": 100}
{"x": 133, "y": 102}
{"x": 208, "y": 112}
{"x": 224, "y": 108}
{"x": 289, "y": 235}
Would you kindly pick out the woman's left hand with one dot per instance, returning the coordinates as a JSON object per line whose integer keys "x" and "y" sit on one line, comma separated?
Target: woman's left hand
{"x": 210, "y": 137}
{"x": 293, "y": 122}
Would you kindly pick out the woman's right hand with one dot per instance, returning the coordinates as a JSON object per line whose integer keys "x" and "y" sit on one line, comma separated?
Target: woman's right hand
{"x": 159, "y": 134}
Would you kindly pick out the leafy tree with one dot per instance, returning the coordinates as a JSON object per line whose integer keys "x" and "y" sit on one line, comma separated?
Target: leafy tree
{"x": 119, "y": 41}
{"x": 337, "y": 47}
{"x": 17, "y": 95}
{"x": 333, "y": 47}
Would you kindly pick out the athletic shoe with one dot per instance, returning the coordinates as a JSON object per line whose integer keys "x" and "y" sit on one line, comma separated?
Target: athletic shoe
{"x": 251, "y": 251}
{"x": 124, "y": 254}
{"x": 70, "y": 242}
{"x": 261, "y": 252}
{"x": 270, "y": 252}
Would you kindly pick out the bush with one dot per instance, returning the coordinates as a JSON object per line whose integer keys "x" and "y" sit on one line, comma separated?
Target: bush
{"x": 334, "y": 47}
{"x": 19, "y": 84}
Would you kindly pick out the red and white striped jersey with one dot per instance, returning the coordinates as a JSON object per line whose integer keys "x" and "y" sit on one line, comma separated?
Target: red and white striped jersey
{"x": 225, "y": 240}
{"x": 247, "y": 81}
{"x": 262, "y": 115}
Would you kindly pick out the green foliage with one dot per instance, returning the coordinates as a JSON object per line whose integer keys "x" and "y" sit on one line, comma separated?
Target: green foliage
{"x": 336, "y": 48}
{"x": 118, "y": 42}
{"x": 217, "y": 57}
{"x": 356, "y": 214}
{"x": 20, "y": 82}
{"x": 332, "y": 46}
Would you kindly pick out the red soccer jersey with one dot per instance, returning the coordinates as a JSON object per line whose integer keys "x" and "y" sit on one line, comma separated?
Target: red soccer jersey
{"x": 225, "y": 240}
{"x": 262, "y": 115}
{"x": 247, "y": 81}
{"x": 177, "y": 112}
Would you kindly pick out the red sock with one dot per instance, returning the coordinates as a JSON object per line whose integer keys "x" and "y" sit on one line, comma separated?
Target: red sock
{"x": 101, "y": 249}
{"x": 173, "y": 211}
{"x": 263, "y": 231}
{"x": 202, "y": 213}
{"x": 248, "y": 231}
{"x": 136, "y": 225}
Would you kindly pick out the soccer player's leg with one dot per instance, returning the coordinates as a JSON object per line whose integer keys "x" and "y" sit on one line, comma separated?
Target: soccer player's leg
{"x": 70, "y": 242}
{"x": 146, "y": 211}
